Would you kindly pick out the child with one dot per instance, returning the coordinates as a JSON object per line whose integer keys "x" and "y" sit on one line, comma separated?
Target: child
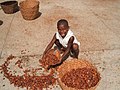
{"x": 65, "y": 41}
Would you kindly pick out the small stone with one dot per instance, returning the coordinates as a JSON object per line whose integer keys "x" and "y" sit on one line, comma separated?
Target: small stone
{"x": 3, "y": 85}
{"x": 1, "y": 22}
{"x": 3, "y": 78}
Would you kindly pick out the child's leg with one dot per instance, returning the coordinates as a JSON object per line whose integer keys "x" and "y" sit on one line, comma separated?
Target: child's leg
{"x": 75, "y": 50}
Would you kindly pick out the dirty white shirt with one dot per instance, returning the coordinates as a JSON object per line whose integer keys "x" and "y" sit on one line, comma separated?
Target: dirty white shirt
{"x": 64, "y": 41}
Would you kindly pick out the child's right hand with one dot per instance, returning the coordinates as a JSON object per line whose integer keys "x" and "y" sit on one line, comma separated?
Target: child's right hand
{"x": 42, "y": 56}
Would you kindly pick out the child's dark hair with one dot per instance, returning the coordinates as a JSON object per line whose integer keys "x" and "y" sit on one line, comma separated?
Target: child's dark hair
{"x": 62, "y": 22}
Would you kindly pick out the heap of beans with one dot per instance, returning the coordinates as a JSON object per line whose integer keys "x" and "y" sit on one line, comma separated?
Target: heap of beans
{"x": 49, "y": 59}
{"x": 30, "y": 82}
{"x": 81, "y": 78}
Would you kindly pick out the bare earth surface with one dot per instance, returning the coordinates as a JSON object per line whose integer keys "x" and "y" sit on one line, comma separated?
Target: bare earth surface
{"x": 96, "y": 24}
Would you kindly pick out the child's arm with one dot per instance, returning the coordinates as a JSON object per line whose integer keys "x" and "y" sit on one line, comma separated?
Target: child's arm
{"x": 50, "y": 45}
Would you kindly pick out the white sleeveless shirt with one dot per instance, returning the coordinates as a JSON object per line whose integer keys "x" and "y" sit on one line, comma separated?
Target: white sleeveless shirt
{"x": 64, "y": 41}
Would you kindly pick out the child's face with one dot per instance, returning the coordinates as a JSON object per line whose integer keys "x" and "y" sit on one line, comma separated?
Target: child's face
{"x": 62, "y": 29}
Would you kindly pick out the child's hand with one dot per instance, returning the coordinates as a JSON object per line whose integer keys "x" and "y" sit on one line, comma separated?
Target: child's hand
{"x": 53, "y": 66}
{"x": 43, "y": 56}
{"x": 49, "y": 67}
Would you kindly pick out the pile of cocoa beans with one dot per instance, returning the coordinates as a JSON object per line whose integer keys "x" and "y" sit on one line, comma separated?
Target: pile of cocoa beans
{"x": 49, "y": 59}
{"x": 81, "y": 78}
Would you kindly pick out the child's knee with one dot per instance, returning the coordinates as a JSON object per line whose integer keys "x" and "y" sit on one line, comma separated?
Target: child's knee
{"x": 57, "y": 42}
{"x": 75, "y": 46}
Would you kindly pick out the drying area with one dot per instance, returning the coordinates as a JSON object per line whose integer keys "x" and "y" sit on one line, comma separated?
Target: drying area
{"x": 95, "y": 23}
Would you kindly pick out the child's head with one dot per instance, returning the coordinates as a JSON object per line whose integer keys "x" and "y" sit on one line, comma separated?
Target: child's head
{"x": 63, "y": 27}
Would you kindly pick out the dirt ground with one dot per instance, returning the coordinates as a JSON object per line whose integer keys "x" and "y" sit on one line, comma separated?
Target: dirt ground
{"x": 95, "y": 23}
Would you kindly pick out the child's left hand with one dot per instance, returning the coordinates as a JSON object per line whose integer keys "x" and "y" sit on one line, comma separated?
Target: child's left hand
{"x": 53, "y": 66}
